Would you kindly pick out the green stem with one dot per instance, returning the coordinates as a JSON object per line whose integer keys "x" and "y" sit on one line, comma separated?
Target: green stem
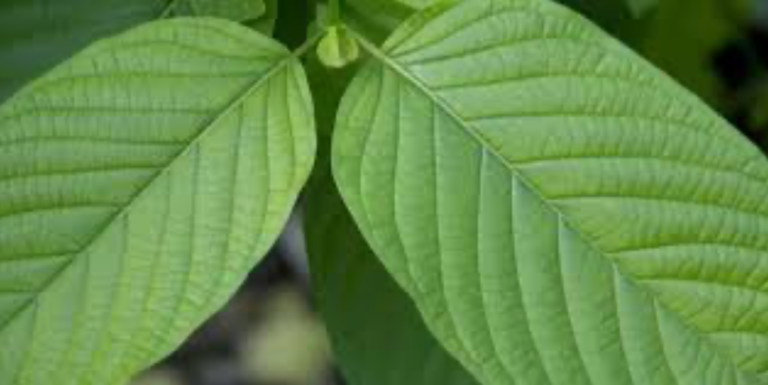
{"x": 308, "y": 44}
{"x": 334, "y": 12}
{"x": 367, "y": 45}
{"x": 312, "y": 10}
{"x": 168, "y": 9}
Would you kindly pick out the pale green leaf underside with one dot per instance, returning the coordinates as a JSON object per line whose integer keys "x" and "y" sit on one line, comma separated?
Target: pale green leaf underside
{"x": 140, "y": 182}
{"x": 377, "y": 334}
{"x": 560, "y": 211}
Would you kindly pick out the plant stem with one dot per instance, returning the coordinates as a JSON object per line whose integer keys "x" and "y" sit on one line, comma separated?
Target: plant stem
{"x": 334, "y": 12}
{"x": 168, "y": 9}
{"x": 308, "y": 44}
{"x": 367, "y": 44}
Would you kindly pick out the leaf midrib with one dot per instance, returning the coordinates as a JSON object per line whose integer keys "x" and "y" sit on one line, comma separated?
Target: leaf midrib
{"x": 236, "y": 102}
{"x": 383, "y": 56}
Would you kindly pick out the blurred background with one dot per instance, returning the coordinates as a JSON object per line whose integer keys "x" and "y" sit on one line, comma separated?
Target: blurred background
{"x": 270, "y": 333}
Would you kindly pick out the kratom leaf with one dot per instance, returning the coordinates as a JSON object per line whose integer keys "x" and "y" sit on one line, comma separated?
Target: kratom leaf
{"x": 266, "y": 23}
{"x": 378, "y": 18}
{"x": 260, "y": 15}
{"x": 35, "y": 35}
{"x": 140, "y": 182}
{"x": 387, "y": 14}
{"x": 235, "y": 10}
{"x": 560, "y": 211}
{"x": 377, "y": 334}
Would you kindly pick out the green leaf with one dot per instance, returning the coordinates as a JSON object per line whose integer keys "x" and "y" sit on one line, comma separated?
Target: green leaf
{"x": 266, "y": 23}
{"x": 35, "y": 35}
{"x": 378, "y": 18}
{"x": 385, "y": 14}
{"x": 141, "y": 181}
{"x": 261, "y": 15}
{"x": 560, "y": 211}
{"x": 378, "y": 335}
{"x": 235, "y": 10}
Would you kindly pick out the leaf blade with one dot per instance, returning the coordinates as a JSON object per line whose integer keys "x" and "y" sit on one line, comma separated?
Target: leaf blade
{"x": 545, "y": 152}
{"x": 377, "y": 334}
{"x": 207, "y": 177}
{"x": 385, "y": 343}
{"x": 232, "y": 10}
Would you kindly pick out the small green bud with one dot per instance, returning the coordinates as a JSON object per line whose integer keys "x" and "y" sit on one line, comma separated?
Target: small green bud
{"x": 337, "y": 49}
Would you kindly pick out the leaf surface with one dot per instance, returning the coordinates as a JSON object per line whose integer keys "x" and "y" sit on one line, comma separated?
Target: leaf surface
{"x": 260, "y": 15}
{"x": 235, "y": 10}
{"x": 140, "y": 182}
{"x": 377, "y": 334}
{"x": 378, "y": 18}
{"x": 560, "y": 211}
{"x": 266, "y": 23}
